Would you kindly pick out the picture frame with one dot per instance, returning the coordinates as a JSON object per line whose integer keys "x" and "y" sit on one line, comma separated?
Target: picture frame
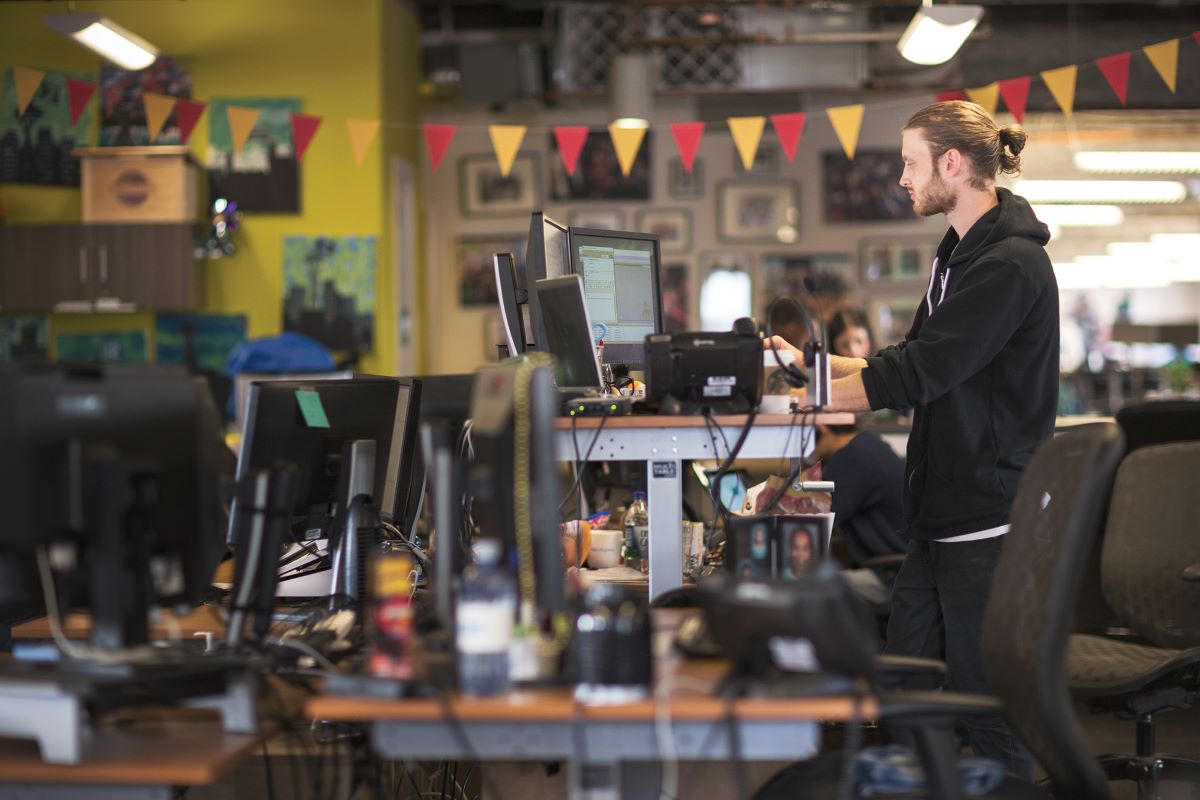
{"x": 865, "y": 189}
{"x": 758, "y": 211}
{"x": 605, "y": 219}
{"x": 676, "y": 289}
{"x": 818, "y": 281}
{"x": 473, "y": 254}
{"x": 483, "y": 191}
{"x": 766, "y": 157}
{"x": 891, "y": 316}
{"x": 673, "y": 226}
{"x": 725, "y": 288}
{"x": 896, "y": 260}
{"x": 684, "y": 185}
{"x": 598, "y": 174}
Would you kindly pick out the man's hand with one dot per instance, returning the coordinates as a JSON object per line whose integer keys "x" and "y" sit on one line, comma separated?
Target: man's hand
{"x": 777, "y": 342}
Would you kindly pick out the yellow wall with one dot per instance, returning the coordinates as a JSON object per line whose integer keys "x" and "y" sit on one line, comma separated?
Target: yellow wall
{"x": 331, "y": 55}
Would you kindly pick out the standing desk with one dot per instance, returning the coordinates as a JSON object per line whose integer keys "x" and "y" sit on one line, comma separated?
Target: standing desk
{"x": 663, "y": 442}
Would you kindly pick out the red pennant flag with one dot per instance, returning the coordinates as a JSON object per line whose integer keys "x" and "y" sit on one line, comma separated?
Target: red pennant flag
{"x": 789, "y": 128}
{"x": 437, "y": 141}
{"x": 951, "y": 94}
{"x": 304, "y": 128}
{"x": 1015, "y": 92}
{"x": 187, "y": 114}
{"x": 1116, "y": 72}
{"x": 78, "y": 94}
{"x": 687, "y": 140}
{"x": 570, "y": 140}
{"x": 1196, "y": 36}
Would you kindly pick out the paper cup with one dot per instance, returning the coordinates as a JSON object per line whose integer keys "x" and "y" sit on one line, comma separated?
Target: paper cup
{"x": 606, "y": 549}
{"x": 775, "y": 404}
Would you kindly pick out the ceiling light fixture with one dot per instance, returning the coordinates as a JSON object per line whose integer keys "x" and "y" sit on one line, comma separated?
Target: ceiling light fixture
{"x": 1163, "y": 161}
{"x": 1041, "y": 191}
{"x": 630, "y": 90}
{"x": 1082, "y": 216}
{"x": 105, "y": 37}
{"x": 936, "y": 32}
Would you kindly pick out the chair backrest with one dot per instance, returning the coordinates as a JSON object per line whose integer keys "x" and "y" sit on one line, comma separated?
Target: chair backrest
{"x": 1159, "y": 422}
{"x": 1153, "y": 533}
{"x": 1055, "y": 514}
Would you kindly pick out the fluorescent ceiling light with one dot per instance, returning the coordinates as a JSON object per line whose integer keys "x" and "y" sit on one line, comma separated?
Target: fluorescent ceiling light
{"x": 105, "y": 37}
{"x": 1081, "y": 216}
{"x": 1164, "y": 161}
{"x": 936, "y": 32}
{"x": 1040, "y": 191}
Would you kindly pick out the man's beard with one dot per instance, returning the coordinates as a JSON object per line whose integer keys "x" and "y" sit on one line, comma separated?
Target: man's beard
{"x": 936, "y": 198}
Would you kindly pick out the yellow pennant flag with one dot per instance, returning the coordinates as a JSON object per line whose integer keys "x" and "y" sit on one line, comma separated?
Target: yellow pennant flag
{"x": 506, "y": 141}
{"x": 627, "y": 142}
{"x": 158, "y": 108}
{"x": 362, "y": 134}
{"x": 1165, "y": 58}
{"x": 986, "y": 96}
{"x": 27, "y": 80}
{"x": 241, "y": 123}
{"x": 847, "y": 122}
{"x": 747, "y": 131}
{"x": 1061, "y": 83}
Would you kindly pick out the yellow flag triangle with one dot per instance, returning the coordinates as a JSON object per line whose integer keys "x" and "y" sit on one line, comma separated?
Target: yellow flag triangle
{"x": 506, "y": 141}
{"x": 1061, "y": 83}
{"x": 1165, "y": 58}
{"x": 27, "y": 80}
{"x": 747, "y": 131}
{"x": 627, "y": 142}
{"x": 241, "y": 122}
{"x": 158, "y": 108}
{"x": 362, "y": 134}
{"x": 986, "y": 96}
{"x": 847, "y": 122}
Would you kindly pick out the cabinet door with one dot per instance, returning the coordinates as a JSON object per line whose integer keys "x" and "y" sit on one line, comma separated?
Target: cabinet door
{"x": 44, "y": 267}
{"x": 148, "y": 266}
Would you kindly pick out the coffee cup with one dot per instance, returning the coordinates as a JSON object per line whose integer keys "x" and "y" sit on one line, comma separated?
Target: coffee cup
{"x": 606, "y": 549}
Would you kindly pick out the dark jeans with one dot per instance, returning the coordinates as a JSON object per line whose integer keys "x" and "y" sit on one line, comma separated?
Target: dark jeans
{"x": 937, "y": 612}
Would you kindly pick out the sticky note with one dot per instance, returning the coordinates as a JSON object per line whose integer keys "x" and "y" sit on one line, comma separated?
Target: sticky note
{"x": 311, "y": 408}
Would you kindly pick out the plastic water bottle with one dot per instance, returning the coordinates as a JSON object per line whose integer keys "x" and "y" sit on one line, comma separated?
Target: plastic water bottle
{"x": 637, "y": 534}
{"x": 487, "y": 604}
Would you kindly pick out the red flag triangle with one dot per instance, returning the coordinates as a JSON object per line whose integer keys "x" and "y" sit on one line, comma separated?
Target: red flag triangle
{"x": 570, "y": 140}
{"x": 789, "y": 128}
{"x": 687, "y": 140}
{"x": 187, "y": 114}
{"x": 1196, "y": 36}
{"x": 437, "y": 141}
{"x": 78, "y": 94}
{"x": 304, "y": 128}
{"x": 1116, "y": 72}
{"x": 1015, "y": 92}
{"x": 951, "y": 94}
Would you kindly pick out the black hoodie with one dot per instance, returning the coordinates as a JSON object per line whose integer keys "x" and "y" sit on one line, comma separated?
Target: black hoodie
{"x": 980, "y": 367}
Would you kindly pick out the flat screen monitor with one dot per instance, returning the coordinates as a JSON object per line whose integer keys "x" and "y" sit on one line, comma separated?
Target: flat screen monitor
{"x": 508, "y": 296}
{"x": 548, "y": 255}
{"x": 568, "y": 334}
{"x": 620, "y": 271}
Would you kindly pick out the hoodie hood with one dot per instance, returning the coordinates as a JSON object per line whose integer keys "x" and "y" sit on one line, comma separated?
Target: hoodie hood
{"x": 1012, "y": 217}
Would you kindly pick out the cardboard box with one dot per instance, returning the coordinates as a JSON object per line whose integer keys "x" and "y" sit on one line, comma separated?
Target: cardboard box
{"x": 138, "y": 184}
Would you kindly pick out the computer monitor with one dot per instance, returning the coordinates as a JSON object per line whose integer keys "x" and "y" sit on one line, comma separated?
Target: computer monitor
{"x": 113, "y": 473}
{"x": 510, "y": 299}
{"x": 569, "y": 334}
{"x": 621, "y": 281}
{"x": 548, "y": 255}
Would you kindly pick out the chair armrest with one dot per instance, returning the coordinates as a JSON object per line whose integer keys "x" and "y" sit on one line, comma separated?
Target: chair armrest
{"x": 1192, "y": 573}
{"x": 889, "y": 562}
{"x": 909, "y": 665}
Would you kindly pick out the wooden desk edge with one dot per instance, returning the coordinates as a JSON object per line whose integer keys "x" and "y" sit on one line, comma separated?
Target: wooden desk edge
{"x": 696, "y": 421}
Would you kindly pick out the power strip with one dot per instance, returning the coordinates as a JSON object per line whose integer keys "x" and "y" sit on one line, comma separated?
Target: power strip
{"x": 598, "y": 406}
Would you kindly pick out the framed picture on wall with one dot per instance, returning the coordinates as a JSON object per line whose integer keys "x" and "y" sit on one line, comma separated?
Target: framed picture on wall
{"x": 758, "y": 211}
{"x": 891, "y": 316}
{"x": 483, "y": 191}
{"x": 606, "y": 219}
{"x": 598, "y": 175}
{"x": 897, "y": 260}
{"x": 766, "y": 158}
{"x": 476, "y": 279}
{"x": 866, "y": 189}
{"x": 725, "y": 288}
{"x": 672, "y": 225}
{"x": 819, "y": 282}
{"x": 684, "y": 185}
{"x": 676, "y": 296}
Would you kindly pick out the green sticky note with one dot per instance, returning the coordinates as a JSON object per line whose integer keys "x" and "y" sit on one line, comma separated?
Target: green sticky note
{"x": 311, "y": 408}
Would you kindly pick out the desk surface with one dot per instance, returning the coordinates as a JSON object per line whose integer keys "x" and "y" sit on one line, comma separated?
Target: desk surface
{"x": 697, "y": 421}
{"x": 182, "y": 748}
{"x": 79, "y": 626}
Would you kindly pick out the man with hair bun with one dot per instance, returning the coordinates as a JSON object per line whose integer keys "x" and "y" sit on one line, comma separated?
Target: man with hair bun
{"x": 979, "y": 366}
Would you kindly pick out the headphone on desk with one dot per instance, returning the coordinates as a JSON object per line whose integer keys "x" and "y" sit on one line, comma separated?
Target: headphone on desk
{"x": 793, "y": 375}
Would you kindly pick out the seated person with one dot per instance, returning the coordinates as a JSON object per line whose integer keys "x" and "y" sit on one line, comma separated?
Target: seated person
{"x": 850, "y": 333}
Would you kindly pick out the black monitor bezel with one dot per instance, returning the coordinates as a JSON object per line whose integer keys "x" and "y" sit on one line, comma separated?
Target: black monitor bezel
{"x": 506, "y": 297}
{"x": 535, "y": 266}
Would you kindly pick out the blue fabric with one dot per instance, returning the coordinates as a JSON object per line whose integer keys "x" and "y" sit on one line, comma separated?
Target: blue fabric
{"x": 879, "y": 770}
{"x": 276, "y": 355}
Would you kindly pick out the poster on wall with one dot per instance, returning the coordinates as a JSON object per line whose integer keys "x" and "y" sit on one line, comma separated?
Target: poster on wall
{"x": 122, "y": 110}
{"x": 35, "y": 147}
{"x": 212, "y": 337}
{"x": 24, "y": 337}
{"x": 108, "y": 347}
{"x": 264, "y": 175}
{"x": 329, "y": 290}
{"x": 865, "y": 189}
{"x": 476, "y": 275}
{"x": 598, "y": 175}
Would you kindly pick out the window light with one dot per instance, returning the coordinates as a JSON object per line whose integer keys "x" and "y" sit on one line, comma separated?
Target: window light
{"x": 1049, "y": 191}
{"x": 1163, "y": 161}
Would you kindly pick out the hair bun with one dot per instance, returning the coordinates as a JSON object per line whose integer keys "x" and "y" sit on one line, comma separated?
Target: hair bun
{"x": 1013, "y": 138}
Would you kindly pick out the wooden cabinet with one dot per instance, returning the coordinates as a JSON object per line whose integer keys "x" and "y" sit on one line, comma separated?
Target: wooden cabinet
{"x": 97, "y": 267}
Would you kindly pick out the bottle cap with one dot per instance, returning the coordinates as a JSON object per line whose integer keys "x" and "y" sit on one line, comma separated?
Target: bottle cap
{"x": 487, "y": 551}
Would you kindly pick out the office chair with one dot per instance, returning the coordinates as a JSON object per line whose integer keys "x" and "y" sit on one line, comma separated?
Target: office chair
{"x": 1150, "y": 569}
{"x": 1026, "y": 626}
{"x": 1159, "y": 422}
